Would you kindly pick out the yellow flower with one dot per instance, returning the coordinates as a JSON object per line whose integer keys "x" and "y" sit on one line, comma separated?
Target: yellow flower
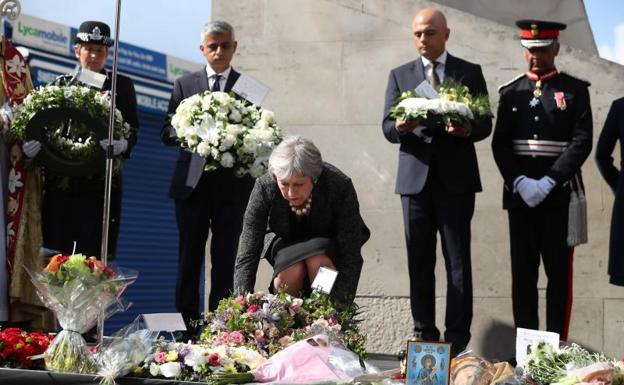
{"x": 172, "y": 356}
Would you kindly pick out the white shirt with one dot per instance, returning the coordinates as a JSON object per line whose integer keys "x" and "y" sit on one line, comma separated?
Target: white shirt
{"x": 428, "y": 65}
{"x": 224, "y": 77}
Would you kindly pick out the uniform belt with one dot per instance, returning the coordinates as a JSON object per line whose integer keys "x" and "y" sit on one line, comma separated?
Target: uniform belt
{"x": 534, "y": 147}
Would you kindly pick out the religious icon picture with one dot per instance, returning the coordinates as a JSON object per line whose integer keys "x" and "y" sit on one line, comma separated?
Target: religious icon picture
{"x": 428, "y": 363}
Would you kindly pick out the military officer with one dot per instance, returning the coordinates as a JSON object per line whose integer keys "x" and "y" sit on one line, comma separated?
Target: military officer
{"x": 543, "y": 134}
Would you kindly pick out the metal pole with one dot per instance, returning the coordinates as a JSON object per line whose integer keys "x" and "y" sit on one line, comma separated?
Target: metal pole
{"x": 109, "y": 163}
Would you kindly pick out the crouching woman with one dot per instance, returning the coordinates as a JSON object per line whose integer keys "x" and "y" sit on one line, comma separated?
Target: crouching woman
{"x": 302, "y": 215}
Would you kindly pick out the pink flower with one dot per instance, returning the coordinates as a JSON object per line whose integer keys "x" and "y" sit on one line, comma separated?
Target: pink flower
{"x": 332, "y": 321}
{"x": 236, "y": 337}
{"x": 252, "y": 309}
{"x": 214, "y": 359}
{"x": 241, "y": 300}
{"x": 160, "y": 357}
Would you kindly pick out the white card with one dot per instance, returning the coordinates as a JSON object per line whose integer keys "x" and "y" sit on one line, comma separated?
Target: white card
{"x": 164, "y": 322}
{"x": 91, "y": 78}
{"x": 526, "y": 337}
{"x": 251, "y": 89}
{"x": 425, "y": 90}
{"x": 325, "y": 279}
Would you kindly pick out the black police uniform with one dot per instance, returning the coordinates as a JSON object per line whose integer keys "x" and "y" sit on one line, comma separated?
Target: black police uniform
{"x": 537, "y": 136}
{"x": 73, "y": 206}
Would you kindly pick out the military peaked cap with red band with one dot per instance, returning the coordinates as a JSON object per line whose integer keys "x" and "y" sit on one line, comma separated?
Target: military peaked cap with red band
{"x": 537, "y": 33}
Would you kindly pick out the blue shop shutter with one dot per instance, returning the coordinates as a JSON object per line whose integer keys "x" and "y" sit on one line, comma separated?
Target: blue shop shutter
{"x": 148, "y": 239}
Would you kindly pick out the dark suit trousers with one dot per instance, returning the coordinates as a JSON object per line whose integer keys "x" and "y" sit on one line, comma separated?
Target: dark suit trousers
{"x": 424, "y": 214}
{"x": 74, "y": 214}
{"x": 208, "y": 207}
{"x": 541, "y": 230}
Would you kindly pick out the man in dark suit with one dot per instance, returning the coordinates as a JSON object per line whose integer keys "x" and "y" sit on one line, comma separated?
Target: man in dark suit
{"x": 613, "y": 131}
{"x": 543, "y": 135}
{"x": 437, "y": 179}
{"x": 72, "y": 207}
{"x": 206, "y": 200}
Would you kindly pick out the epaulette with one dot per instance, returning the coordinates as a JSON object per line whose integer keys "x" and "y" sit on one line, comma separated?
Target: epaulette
{"x": 500, "y": 88}
{"x": 587, "y": 83}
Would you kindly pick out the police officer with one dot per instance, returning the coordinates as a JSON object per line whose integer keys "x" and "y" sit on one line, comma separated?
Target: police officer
{"x": 543, "y": 134}
{"x": 73, "y": 206}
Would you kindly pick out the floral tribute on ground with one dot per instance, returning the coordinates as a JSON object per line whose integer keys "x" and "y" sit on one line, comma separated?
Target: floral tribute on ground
{"x": 227, "y": 131}
{"x": 78, "y": 289}
{"x": 269, "y": 323}
{"x": 17, "y": 345}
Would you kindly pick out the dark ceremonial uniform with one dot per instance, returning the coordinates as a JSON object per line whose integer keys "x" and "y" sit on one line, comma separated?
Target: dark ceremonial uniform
{"x": 73, "y": 206}
{"x": 543, "y": 128}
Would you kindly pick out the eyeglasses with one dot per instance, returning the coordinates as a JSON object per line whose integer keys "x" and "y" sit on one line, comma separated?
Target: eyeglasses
{"x": 224, "y": 46}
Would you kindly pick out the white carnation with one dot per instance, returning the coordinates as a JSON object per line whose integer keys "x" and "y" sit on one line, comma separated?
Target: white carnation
{"x": 227, "y": 160}
{"x": 222, "y": 98}
{"x": 235, "y": 116}
{"x": 203, "y": 149}
{"x": 234, "y": 129}
{"x": 227, "y": 142}
{"x": 249, "y": 144}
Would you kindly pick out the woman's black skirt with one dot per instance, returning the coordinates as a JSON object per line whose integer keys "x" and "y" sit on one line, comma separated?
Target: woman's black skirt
{"x": 283, "y": 255}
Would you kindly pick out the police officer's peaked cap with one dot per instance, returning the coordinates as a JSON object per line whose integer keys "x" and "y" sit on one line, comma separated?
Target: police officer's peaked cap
{"x": 94, "y": 32}
{"x": 538, "y": 33}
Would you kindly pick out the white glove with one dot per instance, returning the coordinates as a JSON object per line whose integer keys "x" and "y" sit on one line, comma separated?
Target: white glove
{"x": 527, "y": 188}
{"x": 545, "y": 185}
{"x": 533, "y": 191}
{"x": 119, "y": 145}
{"x": 31, "y": 148}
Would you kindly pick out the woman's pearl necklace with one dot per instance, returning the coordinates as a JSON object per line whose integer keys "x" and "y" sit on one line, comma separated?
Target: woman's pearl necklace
{"x": 303, "y": 211}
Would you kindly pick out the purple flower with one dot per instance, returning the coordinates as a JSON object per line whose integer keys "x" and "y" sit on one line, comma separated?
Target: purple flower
{"x": 184, "y": 351}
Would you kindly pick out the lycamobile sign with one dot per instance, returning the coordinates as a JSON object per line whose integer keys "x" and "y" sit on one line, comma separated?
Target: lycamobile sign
{"x": 42, "y": 34}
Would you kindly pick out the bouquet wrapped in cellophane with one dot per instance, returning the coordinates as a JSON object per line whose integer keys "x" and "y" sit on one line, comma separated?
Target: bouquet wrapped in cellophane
{"x": 78, "y": 290}
{"x": 124, "y": 350}
{"x": 453, "y": 104}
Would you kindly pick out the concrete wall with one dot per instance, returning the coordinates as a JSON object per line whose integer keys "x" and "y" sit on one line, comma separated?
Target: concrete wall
{"x": 327, "y": 63}
{"x": 578, "y": 34}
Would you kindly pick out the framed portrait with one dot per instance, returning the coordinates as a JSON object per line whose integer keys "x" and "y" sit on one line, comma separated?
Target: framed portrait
{"x": 428, "y": 363}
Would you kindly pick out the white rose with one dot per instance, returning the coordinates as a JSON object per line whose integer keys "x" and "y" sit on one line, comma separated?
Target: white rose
{"x": 227, "y": 160}
{"x": 267, "y": 116}
{"x": 153, "y": 369}
{"x": 170, "y": 369}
